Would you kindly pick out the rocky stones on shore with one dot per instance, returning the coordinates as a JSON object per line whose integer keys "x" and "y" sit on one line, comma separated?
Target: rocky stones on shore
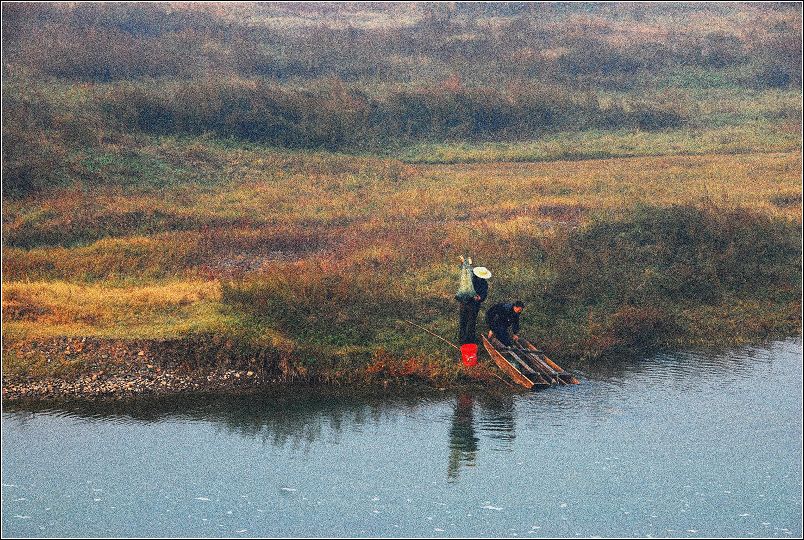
{"x": 95, "y": 367}
{"x": 123, "y": 385}
{"x": 117, "y": 369}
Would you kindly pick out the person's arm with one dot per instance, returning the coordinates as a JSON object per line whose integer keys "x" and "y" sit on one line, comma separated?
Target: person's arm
{"x": 482, "y": 289}
{"x": 490, "y": 314}
{"x": 515, "y": 326}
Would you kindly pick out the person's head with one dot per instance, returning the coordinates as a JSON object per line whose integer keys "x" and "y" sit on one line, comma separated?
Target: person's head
{"x": 519, "y": 305}
{"x": 482, "y": 272}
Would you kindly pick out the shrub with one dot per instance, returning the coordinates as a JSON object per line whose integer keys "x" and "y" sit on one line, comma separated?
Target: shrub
{"x": 628, "y": 328}
{"x": 33, "y": 153}
{"x": 626, "y": 280}
{"x": 331, "y": 116}
{"x": 317, "y": 303}
{"x": 660, "y": 255}
{"x": 776, "y": 55}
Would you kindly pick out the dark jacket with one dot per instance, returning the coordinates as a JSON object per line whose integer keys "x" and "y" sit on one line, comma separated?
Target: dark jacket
{"x": 502, "y": 316}
{"x": 481, "y": 287}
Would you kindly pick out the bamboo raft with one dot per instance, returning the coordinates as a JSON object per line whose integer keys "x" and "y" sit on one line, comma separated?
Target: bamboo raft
{"x": 526, "y": 364}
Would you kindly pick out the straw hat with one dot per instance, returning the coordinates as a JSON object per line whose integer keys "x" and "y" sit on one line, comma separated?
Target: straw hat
{"x": 481, "y": 272}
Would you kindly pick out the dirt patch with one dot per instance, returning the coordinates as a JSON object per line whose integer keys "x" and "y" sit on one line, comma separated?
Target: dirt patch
{"x": 86, "y": 367}
{"x": 565, "y": 213}
{"x": 786, "y": 200}
{"x": 235, "y": 264}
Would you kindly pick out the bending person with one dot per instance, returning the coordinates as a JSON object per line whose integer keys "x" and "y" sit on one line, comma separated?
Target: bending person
{"x": 501, "y": 318}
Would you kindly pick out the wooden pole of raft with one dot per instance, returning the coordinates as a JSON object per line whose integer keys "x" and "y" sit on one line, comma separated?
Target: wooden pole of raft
{"x": 545, "y": 368}
{"x": 520, "y": 361}
{"x": 555, "y": 367}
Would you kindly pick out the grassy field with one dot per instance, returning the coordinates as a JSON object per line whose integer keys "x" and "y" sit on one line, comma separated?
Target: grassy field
{"x": 323, "y": 252}
{"x": 309, "y": 175}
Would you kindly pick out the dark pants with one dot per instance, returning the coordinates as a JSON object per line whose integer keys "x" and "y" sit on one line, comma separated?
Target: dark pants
{"x": 501, "y": 333}
{"x": 467, "y": 321}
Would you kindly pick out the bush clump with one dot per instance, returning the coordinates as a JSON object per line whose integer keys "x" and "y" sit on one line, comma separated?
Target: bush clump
{"x": 333, "y": 116}
{"x": 316, "y": 304}
{"x": 675, "y": 253}
{"x": 631, "y": 277}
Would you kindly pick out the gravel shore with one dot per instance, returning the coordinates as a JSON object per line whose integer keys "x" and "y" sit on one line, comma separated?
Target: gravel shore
{"x": 118, "y": 369}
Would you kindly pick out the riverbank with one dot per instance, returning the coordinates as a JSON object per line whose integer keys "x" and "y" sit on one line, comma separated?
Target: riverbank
{"x": 657, "y": 278}
{"x": 297, "y": 267}
{"x": 90, "y": 368}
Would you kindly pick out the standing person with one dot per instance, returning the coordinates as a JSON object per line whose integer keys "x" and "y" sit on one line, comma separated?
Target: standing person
{"x": 469, "y": 307}
{"x": 501, "y": 317}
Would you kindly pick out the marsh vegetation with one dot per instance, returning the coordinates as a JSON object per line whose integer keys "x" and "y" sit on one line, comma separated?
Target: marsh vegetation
{"x": 309, "y": 174}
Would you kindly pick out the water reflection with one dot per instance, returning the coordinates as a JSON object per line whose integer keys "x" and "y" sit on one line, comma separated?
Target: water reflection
{"x": 496, "y": 423}
{"x": 298, "y": 418}
{"x": 472, "y": 422}
{"x": 462, "y": 439}
{"x": 290, "y": 417}
{"x": 497, "y": 419}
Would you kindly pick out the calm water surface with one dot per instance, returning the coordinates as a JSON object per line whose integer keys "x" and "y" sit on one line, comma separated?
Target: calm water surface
{"x": 678, "y": 445}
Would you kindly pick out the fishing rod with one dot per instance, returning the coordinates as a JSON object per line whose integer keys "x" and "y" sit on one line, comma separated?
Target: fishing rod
{"x": 451, "y": 345}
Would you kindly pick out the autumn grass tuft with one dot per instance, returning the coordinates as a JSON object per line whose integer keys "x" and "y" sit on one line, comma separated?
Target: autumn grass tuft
{"x": 57, "y": 308}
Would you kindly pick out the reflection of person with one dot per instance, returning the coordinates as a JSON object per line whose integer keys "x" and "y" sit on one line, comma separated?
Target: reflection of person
{"x": 469, "y": 308}
{"x": 497, "y": 419}
{"x": 462, "y": 439}
{"x": 501, "y": 317}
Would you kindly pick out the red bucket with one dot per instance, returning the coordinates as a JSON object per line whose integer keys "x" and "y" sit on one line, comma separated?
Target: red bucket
{"x": 469, "y": 354}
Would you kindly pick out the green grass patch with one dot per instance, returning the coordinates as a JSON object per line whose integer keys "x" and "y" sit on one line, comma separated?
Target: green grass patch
{"x": 597, "y": 144}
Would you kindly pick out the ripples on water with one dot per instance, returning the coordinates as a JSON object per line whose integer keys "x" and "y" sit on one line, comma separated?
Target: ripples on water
{"x": 636, "y": 449}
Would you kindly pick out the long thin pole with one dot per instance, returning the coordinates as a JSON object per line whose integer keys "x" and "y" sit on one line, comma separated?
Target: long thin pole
{"x": 432, "y": 334}
{"x": 503, "y": 380}
{"x": 451, "y": 345}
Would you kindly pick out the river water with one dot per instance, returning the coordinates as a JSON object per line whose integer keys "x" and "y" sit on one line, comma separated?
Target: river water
{"x": 675, "y": 445}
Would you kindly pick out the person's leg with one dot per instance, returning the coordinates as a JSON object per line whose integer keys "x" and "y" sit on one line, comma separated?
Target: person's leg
{"x": 471, "y": 330}
{"x": 463, "y": 323}
{"x": 501, "y": 333}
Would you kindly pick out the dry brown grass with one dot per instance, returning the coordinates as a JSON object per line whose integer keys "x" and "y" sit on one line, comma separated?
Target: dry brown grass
{"x": 275, "y": 214}
{"x": 57, "y": 308}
